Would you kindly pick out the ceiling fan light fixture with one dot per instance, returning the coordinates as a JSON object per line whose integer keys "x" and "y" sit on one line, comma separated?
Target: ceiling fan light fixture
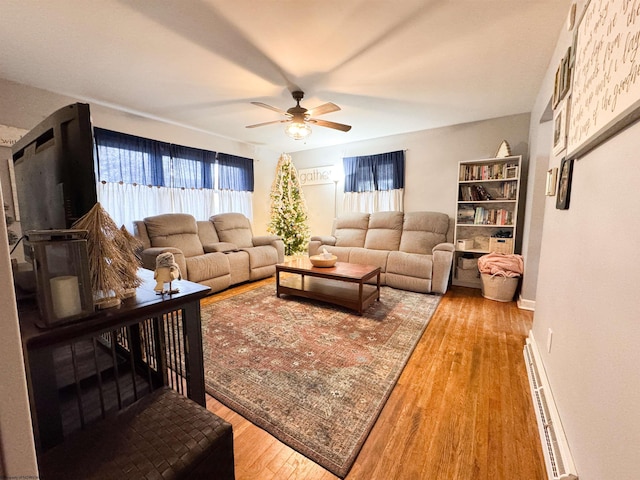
{"x": 297, "y": 130}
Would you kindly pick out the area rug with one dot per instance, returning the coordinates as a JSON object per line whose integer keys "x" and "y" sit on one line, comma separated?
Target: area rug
{"x": 313, "y": 375}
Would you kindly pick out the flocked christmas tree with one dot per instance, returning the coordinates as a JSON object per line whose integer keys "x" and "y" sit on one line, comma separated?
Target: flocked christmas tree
{"x": 288, "y": 208}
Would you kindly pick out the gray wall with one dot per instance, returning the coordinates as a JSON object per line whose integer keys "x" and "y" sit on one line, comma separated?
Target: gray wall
{"x": 587, "y": 294}
{"x": 432, "y": 158}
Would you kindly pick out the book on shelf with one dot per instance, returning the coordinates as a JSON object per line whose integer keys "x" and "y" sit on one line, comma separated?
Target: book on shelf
{"x": 474, "y": 193}
{"x": 494, "y": 171}
{"x": 468, "y": 215}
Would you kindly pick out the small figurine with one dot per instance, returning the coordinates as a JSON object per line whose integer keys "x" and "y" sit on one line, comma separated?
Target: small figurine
{"x": 167, "y": 270}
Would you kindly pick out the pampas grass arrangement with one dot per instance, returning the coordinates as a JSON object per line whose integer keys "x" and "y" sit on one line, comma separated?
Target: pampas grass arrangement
{"x": 130, "y": 246}
{"x": 112, "y": 263}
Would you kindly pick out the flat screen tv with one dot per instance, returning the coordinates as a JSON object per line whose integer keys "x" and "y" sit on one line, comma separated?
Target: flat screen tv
{"x": 55, "y": 171}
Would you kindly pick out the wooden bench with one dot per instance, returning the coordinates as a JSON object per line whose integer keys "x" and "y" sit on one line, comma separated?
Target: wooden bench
{"x": 162, "y": 436}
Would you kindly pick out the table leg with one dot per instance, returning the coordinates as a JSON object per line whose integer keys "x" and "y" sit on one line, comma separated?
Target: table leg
{"x": 194, "y": 357}
{"x": 45, "y": 403}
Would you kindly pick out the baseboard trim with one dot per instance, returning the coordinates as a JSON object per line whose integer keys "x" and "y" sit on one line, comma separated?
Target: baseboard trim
{"x": 525, "y": 304}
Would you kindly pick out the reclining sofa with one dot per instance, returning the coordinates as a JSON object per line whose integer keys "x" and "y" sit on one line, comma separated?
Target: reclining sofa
{"x": 413, "y": 250}
{"x": 219, "y": 252}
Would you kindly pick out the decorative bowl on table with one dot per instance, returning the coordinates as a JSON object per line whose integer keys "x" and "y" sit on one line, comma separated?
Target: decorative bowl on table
{"x": 322, "y": 261}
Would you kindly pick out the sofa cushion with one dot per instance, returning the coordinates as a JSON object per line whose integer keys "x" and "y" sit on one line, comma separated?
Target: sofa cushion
{"x": 351, "y": 229}
{"x": 410, "y": 264}
{"x": 366, "y": 256}
{"x": 207, "y": 266}
{"x": 422, "y": 231}
{"x": 178, "y": 230}
{"x": 385, "y": 229}
{"x": 233, "y": 228}
{"x": 207, "y": 232}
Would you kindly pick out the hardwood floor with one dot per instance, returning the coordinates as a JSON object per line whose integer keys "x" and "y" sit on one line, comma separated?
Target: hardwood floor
{"x": 460, "y": 410}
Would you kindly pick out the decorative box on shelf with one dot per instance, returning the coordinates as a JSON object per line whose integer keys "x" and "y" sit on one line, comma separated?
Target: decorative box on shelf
{"x": 465, "y": 244}
{"x": 501, "y": 245}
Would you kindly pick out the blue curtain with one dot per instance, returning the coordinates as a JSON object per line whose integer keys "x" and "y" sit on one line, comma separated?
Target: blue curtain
{"x": 235, "y": 173}
{"x": 367, "y": 173}
{"x": 130, "y": 159}
{"x": 191, "y": 167}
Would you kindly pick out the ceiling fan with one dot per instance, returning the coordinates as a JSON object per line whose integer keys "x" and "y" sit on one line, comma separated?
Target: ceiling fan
{"x": 299, "y": 118}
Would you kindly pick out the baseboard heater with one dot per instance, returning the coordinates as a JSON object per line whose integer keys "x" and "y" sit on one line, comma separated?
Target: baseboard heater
{"x": 554, "y": 443}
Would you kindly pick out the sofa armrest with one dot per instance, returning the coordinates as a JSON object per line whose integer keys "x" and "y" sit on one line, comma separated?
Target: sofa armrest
{"x": 442, "y": 260}
{"x": 149, "y": 258}
{"x": 273, "y": 240}
{"x": 262, "y": 240}
{"x": 140, "y": 232}
{"x": 325, "y": 239}
{"x": 317, "y": 241}
{"x": 444, "y": 247}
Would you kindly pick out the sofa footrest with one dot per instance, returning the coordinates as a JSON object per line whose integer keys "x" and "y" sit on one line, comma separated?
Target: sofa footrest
{"x": 162, "y": 436}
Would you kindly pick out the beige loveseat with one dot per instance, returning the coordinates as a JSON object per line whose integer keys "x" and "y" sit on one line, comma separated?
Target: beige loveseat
{"x": 412, "y": 249}
{"x": 218, "y": 252}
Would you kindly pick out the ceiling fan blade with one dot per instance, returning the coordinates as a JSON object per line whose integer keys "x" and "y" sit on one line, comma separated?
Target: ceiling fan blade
{"x": 264, "y": 105}
{"x": 266, "y": 123}
{"x": 337, "y": 126}
{"x": 322, "y": 109}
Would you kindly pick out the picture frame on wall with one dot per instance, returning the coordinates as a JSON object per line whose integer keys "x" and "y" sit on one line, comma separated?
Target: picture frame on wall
{"x": 552, "y": 179}
{"x": 562, "y": 81}
{"x": 560, "y": 127}
{"x": 564, "y": 184}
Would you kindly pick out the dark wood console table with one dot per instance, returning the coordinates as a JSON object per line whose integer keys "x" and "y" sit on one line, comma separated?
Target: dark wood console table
{"x": 83, "y": 371}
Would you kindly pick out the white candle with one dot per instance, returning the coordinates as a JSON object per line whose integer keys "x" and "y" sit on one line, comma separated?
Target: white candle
{"x": 65, "y": 296}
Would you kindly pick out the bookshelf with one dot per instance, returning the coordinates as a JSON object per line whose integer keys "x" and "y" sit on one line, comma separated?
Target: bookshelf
{"x": 487, "y": 205}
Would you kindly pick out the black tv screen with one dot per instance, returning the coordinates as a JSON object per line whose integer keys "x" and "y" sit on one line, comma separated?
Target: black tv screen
{"x": 55, "y": 170}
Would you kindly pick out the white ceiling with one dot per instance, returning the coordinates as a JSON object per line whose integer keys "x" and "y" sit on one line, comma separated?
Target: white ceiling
{"x": 394, "y": 66}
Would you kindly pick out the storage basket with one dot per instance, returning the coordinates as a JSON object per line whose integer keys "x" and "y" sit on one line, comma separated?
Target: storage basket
{"x": 501, "y": 245}
{"x": 498, "y": 288}
{"x": 482, "y": 242}
{"x": 468, "y": 263}
{"x": 465, "y": 244}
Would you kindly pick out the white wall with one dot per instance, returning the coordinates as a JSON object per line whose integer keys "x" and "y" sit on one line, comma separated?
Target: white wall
{"x": 534, "y": 211}
{"x": 587, "y": 294}
{"x": 431, "y": 164}
{"x": 17, "y": 451}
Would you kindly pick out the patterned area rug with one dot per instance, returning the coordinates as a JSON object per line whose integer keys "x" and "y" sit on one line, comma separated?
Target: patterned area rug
{"x": 313, "y": 375}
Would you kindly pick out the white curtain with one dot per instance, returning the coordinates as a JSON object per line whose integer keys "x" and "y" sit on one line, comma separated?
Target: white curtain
{"x": 127, "y": 202}
{"x": 374, "y": 201}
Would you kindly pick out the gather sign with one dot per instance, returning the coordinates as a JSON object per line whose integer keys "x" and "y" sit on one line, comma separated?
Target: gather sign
{"x": 316, "y": 175}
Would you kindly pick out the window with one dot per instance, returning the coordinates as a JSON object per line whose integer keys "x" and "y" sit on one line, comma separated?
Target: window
{"x": 139, "y": 177}
{"x": 374, "y": 183}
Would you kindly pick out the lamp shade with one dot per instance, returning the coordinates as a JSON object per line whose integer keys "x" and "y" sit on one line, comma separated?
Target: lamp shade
{"x": 298, "y": 130}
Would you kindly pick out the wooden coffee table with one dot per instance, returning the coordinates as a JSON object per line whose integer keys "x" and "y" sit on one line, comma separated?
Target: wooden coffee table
{"x": 343, "y": 284}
